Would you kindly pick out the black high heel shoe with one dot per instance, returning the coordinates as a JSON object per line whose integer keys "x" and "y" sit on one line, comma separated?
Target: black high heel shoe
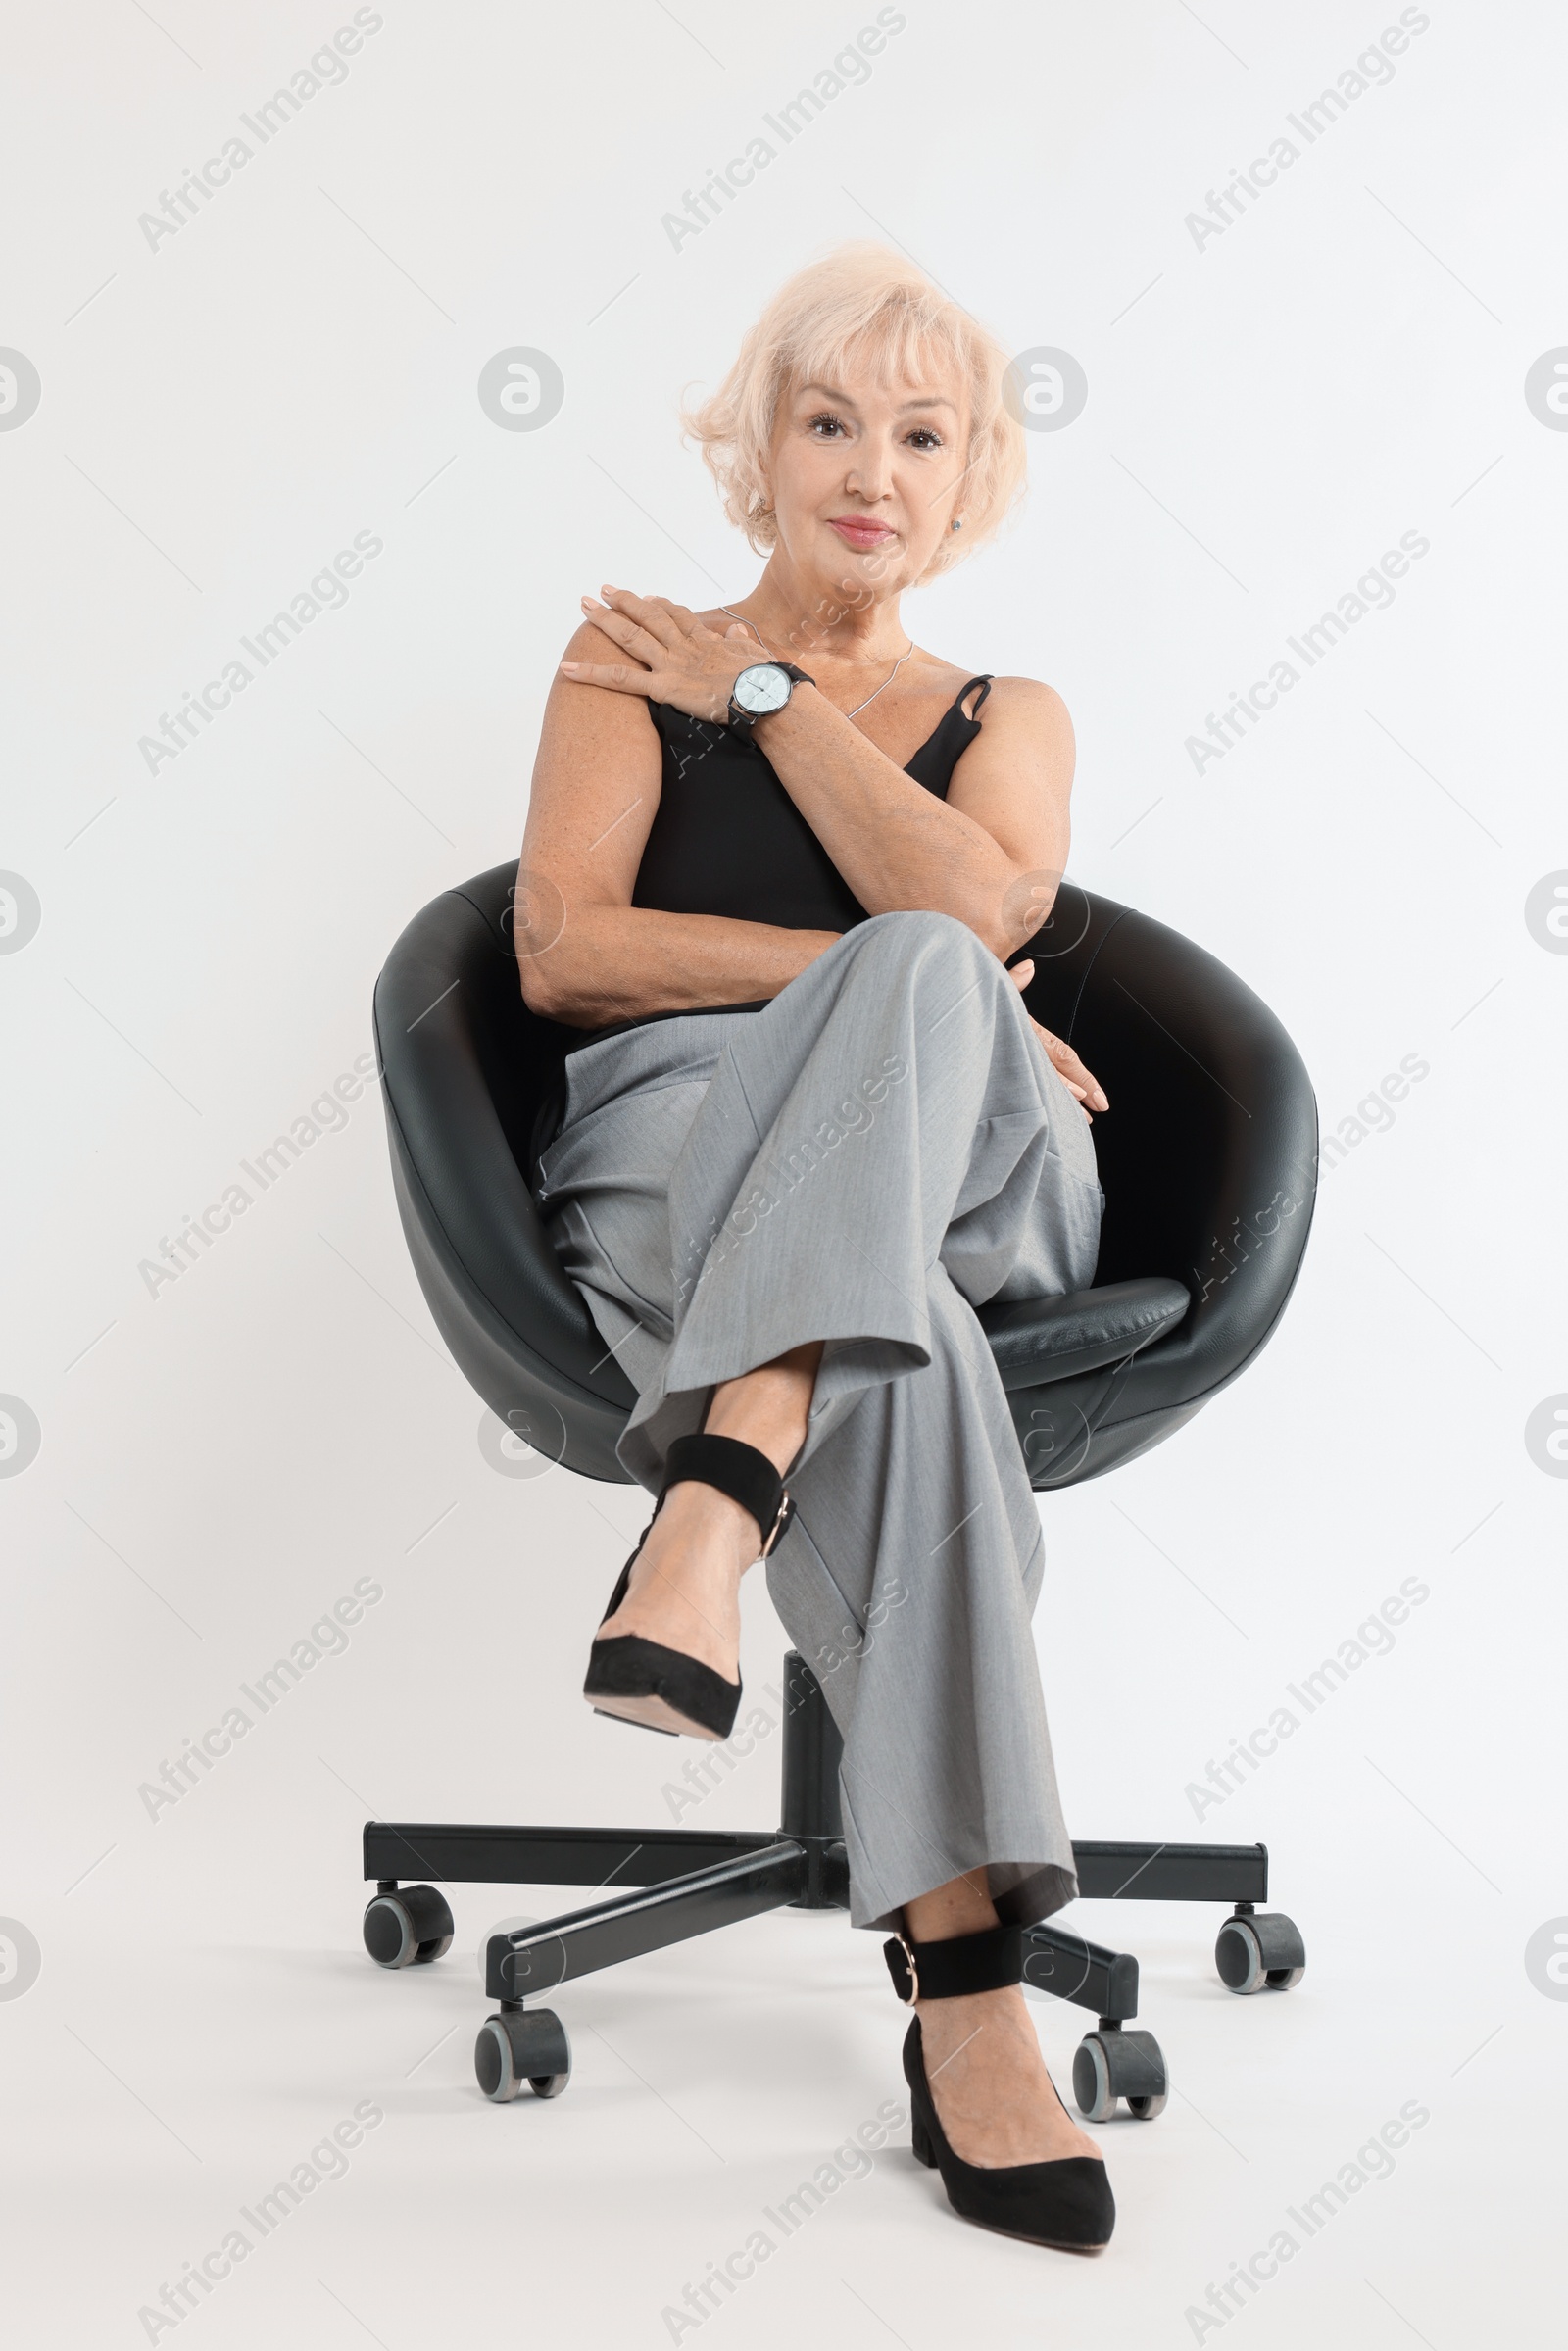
{"x": 1066, "y": 2204}
{"x": 664, "y": 1689}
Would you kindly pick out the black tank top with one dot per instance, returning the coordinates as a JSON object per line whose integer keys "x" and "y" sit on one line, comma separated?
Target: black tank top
{"x": 727, "y": 839}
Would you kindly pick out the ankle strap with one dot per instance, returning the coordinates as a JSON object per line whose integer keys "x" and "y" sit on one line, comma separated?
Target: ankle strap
{"x": 965, "y": 1963}
{"x": 739, "y": 1470}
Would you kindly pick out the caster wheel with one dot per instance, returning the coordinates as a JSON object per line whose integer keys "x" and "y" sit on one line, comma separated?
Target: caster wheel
{"x": 1108, "y": 2065}
{"x": 1261, "y": 1952}
{"x": 408, "y": 1928}
{"x": 522, "y": 2045}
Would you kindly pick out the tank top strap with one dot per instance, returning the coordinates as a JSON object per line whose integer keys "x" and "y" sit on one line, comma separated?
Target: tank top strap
{"x": 933, "y": 764}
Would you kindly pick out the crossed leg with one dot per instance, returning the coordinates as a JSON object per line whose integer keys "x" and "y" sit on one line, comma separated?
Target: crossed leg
{"x": 996, "y": 2098}
{"x": 685, "y": 1587}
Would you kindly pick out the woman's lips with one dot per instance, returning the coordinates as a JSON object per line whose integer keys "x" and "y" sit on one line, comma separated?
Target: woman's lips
{"x": 861, "y": 534}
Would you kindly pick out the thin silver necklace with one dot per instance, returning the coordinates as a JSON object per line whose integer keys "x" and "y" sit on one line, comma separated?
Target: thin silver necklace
{"x": 860, "y": 705}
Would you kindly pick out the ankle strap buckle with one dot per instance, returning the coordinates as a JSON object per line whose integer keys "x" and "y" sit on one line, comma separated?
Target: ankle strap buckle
{"x": 786, "y": 1511}
{"x": 900, "y": 1956}
{"x": 989, "y": 1961}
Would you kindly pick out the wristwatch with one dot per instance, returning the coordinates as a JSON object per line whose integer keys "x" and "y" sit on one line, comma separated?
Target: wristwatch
{"x": 762, "y": 689}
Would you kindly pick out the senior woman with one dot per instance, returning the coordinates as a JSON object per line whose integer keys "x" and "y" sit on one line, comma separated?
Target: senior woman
{"x": 775, "y": 860}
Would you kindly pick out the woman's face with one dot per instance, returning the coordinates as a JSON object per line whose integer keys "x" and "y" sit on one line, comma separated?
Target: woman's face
{"x": 865, "y": 476}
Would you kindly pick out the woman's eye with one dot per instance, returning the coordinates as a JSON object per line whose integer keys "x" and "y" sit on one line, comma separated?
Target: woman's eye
{"x": 831, "y": 422}
{"x": 925, "y": 438}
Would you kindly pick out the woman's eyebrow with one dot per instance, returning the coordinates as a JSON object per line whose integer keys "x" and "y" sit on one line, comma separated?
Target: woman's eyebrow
{"x": 925, "y": 399}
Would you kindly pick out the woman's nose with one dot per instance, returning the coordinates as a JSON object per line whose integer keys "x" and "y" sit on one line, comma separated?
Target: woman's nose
{"x": 872, "y": 475}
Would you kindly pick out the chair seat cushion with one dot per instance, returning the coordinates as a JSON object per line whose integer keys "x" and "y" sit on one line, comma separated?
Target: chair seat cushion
{"x": 1036, "y": 1340}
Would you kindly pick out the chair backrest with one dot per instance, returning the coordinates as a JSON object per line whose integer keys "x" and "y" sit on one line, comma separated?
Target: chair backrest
{"x": 1207, "y": 1157}
{"x": 1209, "y": 1160}
{"x": 465, "y": 1066}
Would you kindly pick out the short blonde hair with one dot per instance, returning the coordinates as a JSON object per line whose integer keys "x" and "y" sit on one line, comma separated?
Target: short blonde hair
{"x": 861, "y": 299}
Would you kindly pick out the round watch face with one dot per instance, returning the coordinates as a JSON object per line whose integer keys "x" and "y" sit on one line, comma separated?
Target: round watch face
{"x": 763, "y": 688}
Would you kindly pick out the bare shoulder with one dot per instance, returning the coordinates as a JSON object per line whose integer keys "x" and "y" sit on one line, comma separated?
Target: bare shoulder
{"x": 1025, "y": 747}
{"x": 1027, "y": 703}
{"x": 1024, "y": 719}
{"x": 1015, "y": 704}
{"x": 590, "y": 644}
{"x": 594, "y": 745}
{"x": 579, "y": 706}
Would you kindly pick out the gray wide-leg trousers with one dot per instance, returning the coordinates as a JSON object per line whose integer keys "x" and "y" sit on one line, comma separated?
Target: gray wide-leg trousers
{"x": 876, "y": 1153}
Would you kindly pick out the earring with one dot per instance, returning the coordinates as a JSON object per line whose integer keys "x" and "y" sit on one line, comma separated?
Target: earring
{"x": 958, "y": 522}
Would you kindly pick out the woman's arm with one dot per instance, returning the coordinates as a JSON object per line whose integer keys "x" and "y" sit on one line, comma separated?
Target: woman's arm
{"x": 588, "y": 957}
{"x": 990, "y": 854}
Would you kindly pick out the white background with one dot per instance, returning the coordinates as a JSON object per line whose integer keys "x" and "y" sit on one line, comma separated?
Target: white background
{"x": 222, "y": 1462}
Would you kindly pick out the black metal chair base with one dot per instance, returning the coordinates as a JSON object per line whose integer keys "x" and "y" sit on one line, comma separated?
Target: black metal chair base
{"x": 682, "y": 1883}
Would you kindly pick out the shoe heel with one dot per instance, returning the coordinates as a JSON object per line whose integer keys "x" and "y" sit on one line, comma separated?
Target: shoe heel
{"x": 924, "y": 2152}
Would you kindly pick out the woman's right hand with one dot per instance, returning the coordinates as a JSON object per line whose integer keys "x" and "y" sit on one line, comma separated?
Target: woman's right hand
{"x": 1081, "y": 1083}
{"x": 678, "y": 660}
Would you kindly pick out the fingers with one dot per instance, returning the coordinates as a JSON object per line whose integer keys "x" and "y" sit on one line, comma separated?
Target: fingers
{"x": 1081, "y": 1081}
{"x": 1084, "y": 1087}
{"x": 681, "y": 613}
{"x": 1078, "y": 1093}
{"x": 1054, "y": 1053}
{"x": 625, "y": 631}
{"x": 619, "y": 676}
{"x": 670, "y": 624}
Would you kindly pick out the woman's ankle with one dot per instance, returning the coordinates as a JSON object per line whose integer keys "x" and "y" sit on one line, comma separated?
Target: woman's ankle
{"x": 768, "y": 1407}
{"x": 962, "y": 1907}
{"x": 694, "y": 1556}
{"x": 700, "y": 1516}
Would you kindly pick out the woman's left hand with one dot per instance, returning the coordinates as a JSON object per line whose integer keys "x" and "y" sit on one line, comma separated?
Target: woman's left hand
{"x": 1081, "y": 1083}
{"x": 677, "y": 660}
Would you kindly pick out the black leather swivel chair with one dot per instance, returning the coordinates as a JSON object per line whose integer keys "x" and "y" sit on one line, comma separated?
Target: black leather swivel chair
{"x": 1208, "y": 1162}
